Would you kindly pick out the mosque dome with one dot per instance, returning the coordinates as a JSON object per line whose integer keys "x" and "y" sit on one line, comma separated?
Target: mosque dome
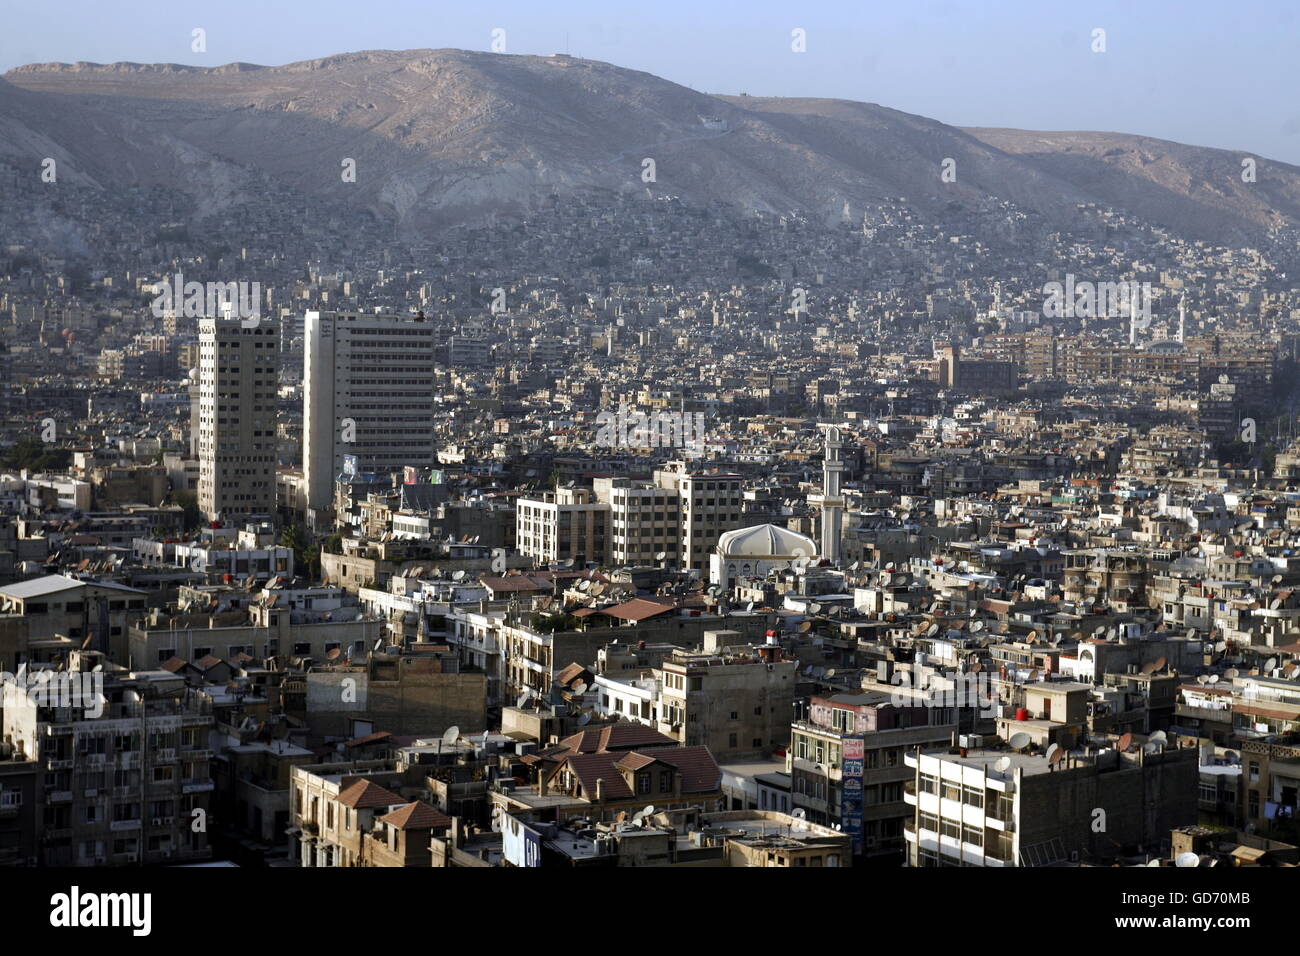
{"x": 766, "y": 541}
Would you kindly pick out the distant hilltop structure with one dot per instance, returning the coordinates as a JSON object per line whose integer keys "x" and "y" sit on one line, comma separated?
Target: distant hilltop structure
{"x": 715, "y": 123}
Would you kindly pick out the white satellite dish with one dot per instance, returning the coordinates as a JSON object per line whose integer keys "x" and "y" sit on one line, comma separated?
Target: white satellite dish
{"x": 1002, "y": 765}
{"x": 1019, "y": 741}
{"x": 1187, "y": 859}
{"x": 451, "y": 734}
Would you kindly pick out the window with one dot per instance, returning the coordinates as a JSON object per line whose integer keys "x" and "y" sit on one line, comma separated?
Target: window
{"x": 731, "y": 740}
{"x": 929, "y": 783}
{"x": 972, "y": 797}
{"x": 666, "y": 782}
{"x": 643, "y": 783}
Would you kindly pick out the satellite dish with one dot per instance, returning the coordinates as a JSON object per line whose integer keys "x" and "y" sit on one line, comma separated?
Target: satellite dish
{"x": 451, "y": 734}
{"x": 1019, "y": 741}
{"x": 580, "y": 687}
{"x": 1159, "y": 737}
{"x": 661, "y": 555}
{"x": 1055, "y": 754}
{"x": 1187, "y": 859}
{"x": 805, "y": 627}
{"x": 932, "y": 630}
{"x": 819, "y": 671}
{"x": 830, "y": 672}
{"x": 584, "y": 584}
{"x": 800, "y": 817}
{"x": 1002, "y": 765}
{"x": 808, "y": 671}
{"x": 976, "y": 626}
{"x": 1271, "y": 664}
{"x": 814, "y": 607}
{"x": 1153, "y": 863}
{"x": 584, "y": 719}
{"x": 1212, "y": 679}
{"x": 458, "y": 575}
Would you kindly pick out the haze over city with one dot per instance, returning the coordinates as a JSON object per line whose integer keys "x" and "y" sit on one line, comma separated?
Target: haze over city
{"x": 841, "y": 436}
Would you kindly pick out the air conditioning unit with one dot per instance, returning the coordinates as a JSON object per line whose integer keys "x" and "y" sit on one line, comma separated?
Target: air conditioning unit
{"x": 157, "y": 821}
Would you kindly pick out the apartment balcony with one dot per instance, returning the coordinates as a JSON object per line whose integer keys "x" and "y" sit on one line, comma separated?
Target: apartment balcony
{"x": 57, "y": 764}
{"x": 118, "y": 826}
{"x": 129, "y": 761}
{"x": 58, "y": 730}
{"x": 58, "y": 796}
{"x": 197, "y": 786}
{"x": 993, "y": 823}
{"x": 196, "y": 753}
{"x": 57, "y": 833}
{"x": 909, "y": 792}
{"x": 165, "y": 755}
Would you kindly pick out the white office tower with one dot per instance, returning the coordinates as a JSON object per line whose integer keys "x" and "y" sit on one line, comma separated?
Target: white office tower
{"x": 830, "y": 502}
{"x": 368, "y": 392}
{"x": 236, "y": 448}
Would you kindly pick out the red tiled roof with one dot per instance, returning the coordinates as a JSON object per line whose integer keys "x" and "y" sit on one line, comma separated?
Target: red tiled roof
{"x": 570, "y": 673}
{"x": 365, "y": 794}
{"x": 638, "y": 609}
{"x": 417, "y": 816}
{"x": 625, "y": 735}
{"x": 589, "y": 768}
{"x": 700, "y": 772}
{"x": 634, "y": 761}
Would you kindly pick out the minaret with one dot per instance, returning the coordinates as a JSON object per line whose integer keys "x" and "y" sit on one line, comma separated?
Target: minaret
{"x": 830, "y": 502}
{"x": 1182, "y": 320}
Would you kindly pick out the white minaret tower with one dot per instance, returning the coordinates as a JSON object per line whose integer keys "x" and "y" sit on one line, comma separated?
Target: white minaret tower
{"x": 1182, "y": 320}
{"x": 830, "y": 502}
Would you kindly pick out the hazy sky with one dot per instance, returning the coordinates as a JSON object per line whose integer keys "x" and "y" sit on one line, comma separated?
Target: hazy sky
{"x": 1206, "y": 72}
